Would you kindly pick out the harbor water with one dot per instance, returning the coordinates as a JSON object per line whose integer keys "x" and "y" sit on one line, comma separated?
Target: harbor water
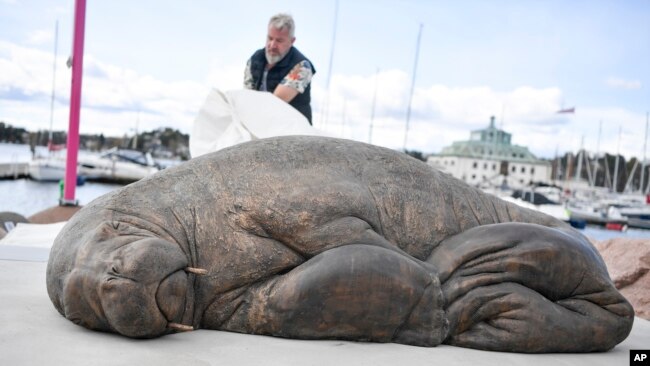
{"x": 27, "y": 197}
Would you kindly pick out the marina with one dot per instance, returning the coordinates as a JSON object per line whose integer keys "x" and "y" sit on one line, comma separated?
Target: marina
{"x": 489, "y": 161}
{"x": 20, "y": 192}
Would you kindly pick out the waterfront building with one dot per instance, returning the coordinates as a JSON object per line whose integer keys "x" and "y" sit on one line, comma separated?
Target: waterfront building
{"x": 489, "y": 158}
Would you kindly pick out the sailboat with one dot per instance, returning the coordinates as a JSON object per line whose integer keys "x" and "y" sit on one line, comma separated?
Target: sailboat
{"x": 50, "y": 168}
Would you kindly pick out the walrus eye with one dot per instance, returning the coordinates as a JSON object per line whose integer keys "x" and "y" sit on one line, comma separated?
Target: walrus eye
{"x": 112, "y": 274}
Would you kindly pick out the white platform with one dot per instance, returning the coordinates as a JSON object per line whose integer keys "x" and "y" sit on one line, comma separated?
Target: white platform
{"x": 33, "y": 333}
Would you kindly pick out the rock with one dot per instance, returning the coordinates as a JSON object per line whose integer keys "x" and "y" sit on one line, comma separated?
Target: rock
{"x": 628, "y": 262}
{"x": 9, "y": 220}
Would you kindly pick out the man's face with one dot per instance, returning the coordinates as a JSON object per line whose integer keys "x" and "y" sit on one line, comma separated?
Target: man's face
{"x": 278, "y": 43}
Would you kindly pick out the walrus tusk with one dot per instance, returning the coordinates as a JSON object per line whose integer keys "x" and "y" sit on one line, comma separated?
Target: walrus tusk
{"x": 180, "y": 327}
{"x": 196, "y": 271}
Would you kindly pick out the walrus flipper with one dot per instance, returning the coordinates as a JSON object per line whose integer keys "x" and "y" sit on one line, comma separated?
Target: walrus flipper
{"x": 527, "y": 288}
{"x": 354, "y": 292}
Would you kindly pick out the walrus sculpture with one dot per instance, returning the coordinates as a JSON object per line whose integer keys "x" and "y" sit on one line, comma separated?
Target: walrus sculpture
{"x": 321, "y": 238}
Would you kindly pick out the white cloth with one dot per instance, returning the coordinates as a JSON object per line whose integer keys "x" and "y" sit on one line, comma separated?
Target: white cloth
{"x": 237, "y": 116}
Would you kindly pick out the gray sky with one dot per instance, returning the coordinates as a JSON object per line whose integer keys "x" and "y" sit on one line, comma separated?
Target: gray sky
{"x": 151, "y": 64}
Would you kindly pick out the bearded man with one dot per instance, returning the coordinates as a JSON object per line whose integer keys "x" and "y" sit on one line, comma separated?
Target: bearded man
{"x": 280, "y": 68}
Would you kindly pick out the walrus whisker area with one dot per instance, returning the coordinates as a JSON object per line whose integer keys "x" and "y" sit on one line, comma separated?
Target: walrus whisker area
{"x": 180, "y": 327}
{"x": 196, "y": 271}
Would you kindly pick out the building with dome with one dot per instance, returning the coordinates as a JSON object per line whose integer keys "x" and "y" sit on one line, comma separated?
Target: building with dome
{"x": 489, "y": 158}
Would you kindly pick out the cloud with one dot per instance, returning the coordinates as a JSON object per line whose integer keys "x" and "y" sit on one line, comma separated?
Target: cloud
{"x": 114, "y": 98}
{"x": 27, "y": 69}
{"x": 225, "y": 77}
{"x": 618, "y": 83}
{"x": 440, "y": 114}
{"x": 39, "y": 37}
{"x": 117, "y": 100}
{"x": 11, "y": 93}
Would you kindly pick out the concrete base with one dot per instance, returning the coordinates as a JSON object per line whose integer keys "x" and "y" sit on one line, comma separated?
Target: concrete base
{"x": 33, "y": 333}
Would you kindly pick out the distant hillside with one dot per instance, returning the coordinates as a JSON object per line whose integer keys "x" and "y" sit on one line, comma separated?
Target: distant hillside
{"x": 162, "y": 143}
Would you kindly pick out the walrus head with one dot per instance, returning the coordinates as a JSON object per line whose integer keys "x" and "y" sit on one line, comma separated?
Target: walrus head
{"x": 134, "y": 285}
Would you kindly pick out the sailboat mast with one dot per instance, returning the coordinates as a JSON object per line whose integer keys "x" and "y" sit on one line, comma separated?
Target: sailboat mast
{"x": 374, "y": 103}
{"x": 343, "y": 118}
{"x": 596, "y": 165}
{"x": 645, "y": 141}
{"x": 581, "y": 153}
{"x": 415, "y": 68}
{"x": 618, "y": 149}
{"x": 325, "y": 109}
{"x": 56, "y": 44}
{"x": 558, "y": 166}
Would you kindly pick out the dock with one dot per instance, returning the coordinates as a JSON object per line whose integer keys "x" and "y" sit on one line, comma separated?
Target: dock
{"x": 14, "y": 170}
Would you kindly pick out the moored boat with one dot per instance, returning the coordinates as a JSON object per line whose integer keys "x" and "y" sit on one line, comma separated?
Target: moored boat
{"x": 118, "y": 165}
{"x": 47, "y": 169}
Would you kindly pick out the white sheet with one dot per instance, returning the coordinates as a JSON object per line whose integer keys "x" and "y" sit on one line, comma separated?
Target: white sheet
{"x": 237, "y": 116}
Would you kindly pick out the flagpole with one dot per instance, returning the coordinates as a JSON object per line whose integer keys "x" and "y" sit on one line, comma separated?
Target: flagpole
{"x": 75, "y": 105}
{"x": 415, "y": 68}
{"x": 50, "y": 141}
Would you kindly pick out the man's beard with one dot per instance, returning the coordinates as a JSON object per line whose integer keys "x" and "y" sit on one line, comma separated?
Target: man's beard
{"x": 274, "y": 59}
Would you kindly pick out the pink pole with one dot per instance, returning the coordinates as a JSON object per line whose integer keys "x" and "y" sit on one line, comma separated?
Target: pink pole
{"x": 75, "y": 103}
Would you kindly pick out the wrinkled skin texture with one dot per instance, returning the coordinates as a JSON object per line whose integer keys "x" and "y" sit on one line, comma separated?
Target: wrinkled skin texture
{"x": 318, "y": 238}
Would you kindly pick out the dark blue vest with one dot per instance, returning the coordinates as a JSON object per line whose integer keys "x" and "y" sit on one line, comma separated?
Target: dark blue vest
{"x": 258, "y": 63}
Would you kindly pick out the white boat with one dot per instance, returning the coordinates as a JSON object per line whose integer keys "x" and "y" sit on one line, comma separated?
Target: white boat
{"x": 638, "y": 215}
{"x": 548, "y": 207}
{"x": 596, "y": 212}
{"x": 554, "y": 210}
{"x": 117, "y": 165}
{"x": 47, "y": 169}
{"x": 591, "y": 213}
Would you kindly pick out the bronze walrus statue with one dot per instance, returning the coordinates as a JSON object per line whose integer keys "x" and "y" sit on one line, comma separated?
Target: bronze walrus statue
{"x": 321, "y": 238}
